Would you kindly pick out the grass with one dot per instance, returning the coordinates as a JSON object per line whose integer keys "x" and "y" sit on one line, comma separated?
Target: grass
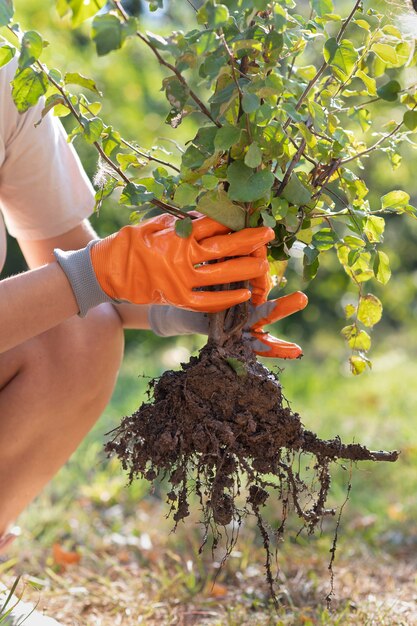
{"x": 130, "y": 569}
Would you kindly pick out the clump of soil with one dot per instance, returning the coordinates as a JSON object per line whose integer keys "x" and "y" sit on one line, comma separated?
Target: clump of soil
{"x": 220, "y": 418}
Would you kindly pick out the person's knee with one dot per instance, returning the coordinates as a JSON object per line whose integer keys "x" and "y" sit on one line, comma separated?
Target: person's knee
{"x": 78, "y": 361}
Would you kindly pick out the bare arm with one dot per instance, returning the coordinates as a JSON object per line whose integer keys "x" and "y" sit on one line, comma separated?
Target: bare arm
{"x": 32, "y": 303}
{"x": 42, "y": 298}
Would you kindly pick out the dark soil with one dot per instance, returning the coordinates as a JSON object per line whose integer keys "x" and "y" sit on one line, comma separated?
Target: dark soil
{"x": 222, "y": 418}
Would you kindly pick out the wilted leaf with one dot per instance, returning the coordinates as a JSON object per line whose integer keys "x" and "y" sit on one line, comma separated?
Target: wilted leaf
{"x": 64, "y": 557}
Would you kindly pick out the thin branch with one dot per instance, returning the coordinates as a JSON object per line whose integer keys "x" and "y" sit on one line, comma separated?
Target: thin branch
{"x": 296, "y": 158}
{"x": 376, "y": 144}
{"x": 325, "y": 64}
{"x": 169, "y": 66}
{"x": 146, "y": 155}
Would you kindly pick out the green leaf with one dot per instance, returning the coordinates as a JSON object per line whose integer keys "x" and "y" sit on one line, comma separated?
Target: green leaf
{"x": 27, "y": 87}
{"x": 250, "y": 102}
{"x": 226, "y": 137}
{"x": 31, "y": 48}
{"x": 369, "y": 310}
{"x": 389, "y": 91}
{"x": 296, "y": 192}
{"x": 92, "y": 128}
{"x": 238, "y": 366}
{"x": 322, "y": 7}
{"x": 374, "y": 228}
{"x": 81, "y": 10}
{"x": 382, "y": 268}
{"x": 410, "y": 119}
{"x": 395, "y": 200}
{"x": 74, "y": 78}
{"x": 217, "y": 205}
{"x": 324, "y": 239}
{"x": 54, "y": 100}
{"x": 268, "y": 220}
{"x": 184, "y": 227}
{"x": 6, "y": 12}
{"x": 6, "y": 54}
{"x": 385, "y": 52}
{"x": 185, "y": 195}
{"x": 134, "y": 195}
{"x": 341, "y": 56}
{"x": 109, "y": 33}
{"x": 209, "y": 181}
{"x": 247, "y": 185}
{"x": 368, "y": 81}
{"x": 253, "y": 157}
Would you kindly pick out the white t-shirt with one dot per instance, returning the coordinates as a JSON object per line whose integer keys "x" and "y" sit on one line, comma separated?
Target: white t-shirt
{"x": 44, "y": 190}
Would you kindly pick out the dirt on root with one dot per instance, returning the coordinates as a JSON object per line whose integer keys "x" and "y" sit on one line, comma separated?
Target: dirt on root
{"x": 222, "y": 419}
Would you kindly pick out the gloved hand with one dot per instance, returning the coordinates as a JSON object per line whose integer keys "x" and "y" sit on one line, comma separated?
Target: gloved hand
{"x": 149, "y": 263}
{"x": 168, "y": 320}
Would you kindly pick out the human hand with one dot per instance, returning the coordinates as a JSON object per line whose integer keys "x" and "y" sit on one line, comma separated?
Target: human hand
{"x": 150, "y": 264}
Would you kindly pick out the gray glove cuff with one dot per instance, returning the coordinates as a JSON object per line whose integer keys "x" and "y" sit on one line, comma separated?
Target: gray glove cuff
{"x": 78, "y": 268}
{"x": 167, "y": 321}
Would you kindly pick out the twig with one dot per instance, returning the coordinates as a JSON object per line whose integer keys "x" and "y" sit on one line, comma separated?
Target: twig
{"x": 169, "y": 66}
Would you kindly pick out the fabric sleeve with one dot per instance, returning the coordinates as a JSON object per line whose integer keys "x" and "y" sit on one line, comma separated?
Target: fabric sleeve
{"x": 44, "y": 191}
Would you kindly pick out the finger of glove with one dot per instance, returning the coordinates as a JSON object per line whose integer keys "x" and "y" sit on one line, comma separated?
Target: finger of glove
{"x": 231, "y": 271}
{"x": 241, "y": 243}
{"x": 275, "y": 310}
{"x": 215, "y": 301}
{"x": 261, "y": 285}
{"x": 269, "y": 346}
{"x": 204, "y": 227}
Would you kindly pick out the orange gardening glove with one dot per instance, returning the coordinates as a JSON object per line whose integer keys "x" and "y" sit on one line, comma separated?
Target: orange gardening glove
{"x": 269, "y": 312}
{"x": 263, "y": 312}
{"x": 151, "y": 264}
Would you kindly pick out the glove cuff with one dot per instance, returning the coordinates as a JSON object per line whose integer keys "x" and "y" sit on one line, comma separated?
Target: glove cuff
{"x": 78, "y": 268}
{"x": 167, "y": 321}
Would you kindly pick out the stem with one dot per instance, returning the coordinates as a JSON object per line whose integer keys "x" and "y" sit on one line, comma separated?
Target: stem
{"x": 169, "y": 66}
{"x": 376, "y": 144}
{"x": 325, "y": 64}
{"x": 216, "y": 334}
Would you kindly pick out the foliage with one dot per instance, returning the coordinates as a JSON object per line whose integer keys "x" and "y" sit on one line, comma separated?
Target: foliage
{"x": 288, "y": 105}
